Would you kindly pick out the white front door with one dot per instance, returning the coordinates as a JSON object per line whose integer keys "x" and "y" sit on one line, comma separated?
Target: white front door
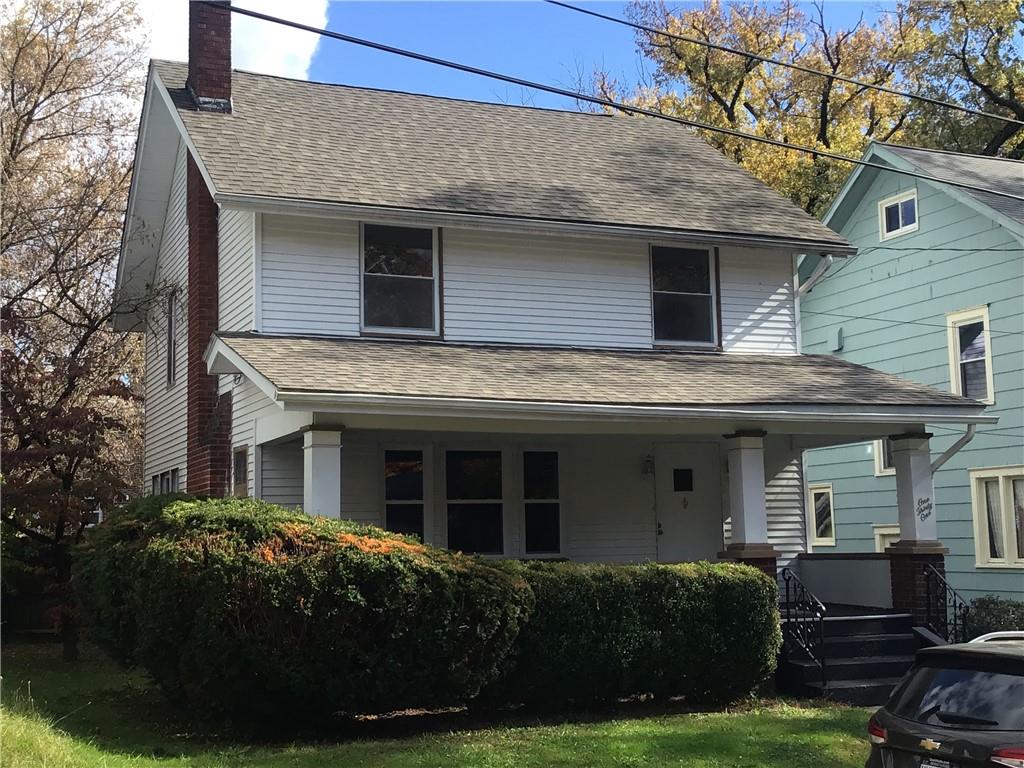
{"x": 688, "y": 496}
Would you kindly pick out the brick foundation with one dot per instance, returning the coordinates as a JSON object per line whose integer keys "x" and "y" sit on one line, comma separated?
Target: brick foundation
{"x": 909, "y": 584}
{"x": 208, "y": 415}
{"x": 760, "y": 556}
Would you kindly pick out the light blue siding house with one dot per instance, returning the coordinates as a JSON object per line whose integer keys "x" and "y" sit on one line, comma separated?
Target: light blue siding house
{"x": 935, "y": 294}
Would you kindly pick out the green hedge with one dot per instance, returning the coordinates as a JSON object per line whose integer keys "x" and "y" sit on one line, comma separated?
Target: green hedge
{"x": 995, "y": 614}
{"x": 709, "y": 633}
{"x": 256, "y": 616}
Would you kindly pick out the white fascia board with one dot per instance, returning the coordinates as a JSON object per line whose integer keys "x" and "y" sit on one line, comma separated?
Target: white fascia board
{"x": 455, "y": 407}
{"x": 165, "y": 96}
{"x": 221, "y": 360}
{"x": 293, "y": 207}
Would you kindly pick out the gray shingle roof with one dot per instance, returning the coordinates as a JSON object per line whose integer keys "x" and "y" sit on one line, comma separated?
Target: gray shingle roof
{"x": 312, "y": 141}
{"x": 998, "y": 173}
{"x": 573, "y": 375}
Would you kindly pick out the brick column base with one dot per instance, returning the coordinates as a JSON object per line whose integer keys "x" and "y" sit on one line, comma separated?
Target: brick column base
{"x": 764, "y": 557}
{"x": 907, "y": 561}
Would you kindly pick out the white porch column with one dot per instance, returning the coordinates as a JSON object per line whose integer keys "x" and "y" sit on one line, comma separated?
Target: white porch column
{"x": 321, "y": 472}
{"x": 915, "y": 493}
{"x": 747, "y": 507}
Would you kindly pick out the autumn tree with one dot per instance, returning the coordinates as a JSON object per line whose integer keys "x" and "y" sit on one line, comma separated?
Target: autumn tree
{"x": 964, "y": 51}
{"x": 71, "y": 75}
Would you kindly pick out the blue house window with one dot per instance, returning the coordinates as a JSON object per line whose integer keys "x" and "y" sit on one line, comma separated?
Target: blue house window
{"x": 897, "y": 215}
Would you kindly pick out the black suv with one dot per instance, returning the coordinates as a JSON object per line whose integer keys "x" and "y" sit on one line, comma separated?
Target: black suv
{"x": 960, "y": 706}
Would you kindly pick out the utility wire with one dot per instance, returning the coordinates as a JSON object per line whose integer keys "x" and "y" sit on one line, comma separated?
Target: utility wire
{"x": 900, "y": 322}
{"x": 627, "y": 109}
{"x": 790, "y": 65}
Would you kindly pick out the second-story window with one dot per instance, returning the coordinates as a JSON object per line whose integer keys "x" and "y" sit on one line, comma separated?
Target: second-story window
{"x": 970, "y": 354}
{"x": 897, "y": 215}
{"x": 682, "y": 281}
{"x": 399, "y": 279}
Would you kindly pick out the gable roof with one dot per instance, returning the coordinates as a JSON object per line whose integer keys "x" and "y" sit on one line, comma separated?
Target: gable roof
{"x": 997, "y": 173}
{"x": 295, "y": 140}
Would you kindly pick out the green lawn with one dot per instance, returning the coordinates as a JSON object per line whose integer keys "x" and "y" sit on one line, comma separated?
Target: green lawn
{"x": 92, "y": 714}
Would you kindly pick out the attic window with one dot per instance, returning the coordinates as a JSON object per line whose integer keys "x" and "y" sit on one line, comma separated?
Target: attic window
{"x": 897, "y": 215}
{"x": 399, "y": 279}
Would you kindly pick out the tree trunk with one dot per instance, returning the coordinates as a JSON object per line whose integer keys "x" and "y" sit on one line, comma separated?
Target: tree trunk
{"x": 67, "y": 606}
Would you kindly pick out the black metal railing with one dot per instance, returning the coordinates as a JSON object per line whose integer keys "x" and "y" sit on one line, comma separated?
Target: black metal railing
{"x": 803, "y": 625}
{"x": 946, "y": 613}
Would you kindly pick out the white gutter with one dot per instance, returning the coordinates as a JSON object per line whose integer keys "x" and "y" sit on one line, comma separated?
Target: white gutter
{"x": 816, "y": 275}
{"x": 948, "y": 454}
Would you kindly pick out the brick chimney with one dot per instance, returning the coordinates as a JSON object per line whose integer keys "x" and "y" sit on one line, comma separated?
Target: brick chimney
{"x": 209, "y": 54}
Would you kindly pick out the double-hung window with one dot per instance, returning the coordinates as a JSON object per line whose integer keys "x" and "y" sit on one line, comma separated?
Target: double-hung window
{"x": 399, "y": 280}
{"x": 240, "y": 472}
{"x": 473, "y": 490}
{"x": 821, "y": 514}
{"x": 683, "y": 296}
{"x": 970, "y": 354}
{"x": 997, "y": 500}
{"x": 541, "y": 505}
{"x": 403, "y": 492}
{"x": 897, "y": 215}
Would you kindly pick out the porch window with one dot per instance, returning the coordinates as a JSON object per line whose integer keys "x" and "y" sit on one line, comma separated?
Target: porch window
{"x": 541, "y": 506}
{"x": 970, "y": 354}
{"x": 474, "y": 501}
{"x": 683, "y": 296}
{"x": 403, "y": 492}
{"x": 822, "y": 515}
{"x": 997, "y": 498}
{"x": 240, "y": 473}
{"x": 897, "y": 215}
{"x": 399, "y": 279}
{"x": 884, "y": 458}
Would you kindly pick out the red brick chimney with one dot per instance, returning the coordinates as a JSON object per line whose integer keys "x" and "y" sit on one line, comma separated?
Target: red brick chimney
{"x": 209, "y": 54}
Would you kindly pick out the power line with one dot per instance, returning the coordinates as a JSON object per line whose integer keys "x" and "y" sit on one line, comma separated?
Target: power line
{"x": 625, "y": 108}
{"x": 790, "y": 65}
{"x": 901, "y": 322}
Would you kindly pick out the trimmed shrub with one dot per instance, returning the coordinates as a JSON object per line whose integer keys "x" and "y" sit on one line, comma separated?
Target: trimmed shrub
{"x": 709, "y": 633}
{"x": 257, "y": 616}
{"x": 995, "y": 614}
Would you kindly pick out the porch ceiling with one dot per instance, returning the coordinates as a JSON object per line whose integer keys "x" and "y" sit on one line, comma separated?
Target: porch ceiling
{"x": 313, "y": 372}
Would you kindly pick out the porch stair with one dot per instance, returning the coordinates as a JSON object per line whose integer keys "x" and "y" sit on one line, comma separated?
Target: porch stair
{"x": 866, "y": 655}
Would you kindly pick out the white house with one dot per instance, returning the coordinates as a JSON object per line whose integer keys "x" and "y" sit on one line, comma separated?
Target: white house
{"x": 512, "y": 331}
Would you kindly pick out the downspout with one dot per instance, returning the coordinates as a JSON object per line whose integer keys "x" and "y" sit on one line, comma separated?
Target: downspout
{"x": 816, "y": 275}
{"x": 964, "y": 439}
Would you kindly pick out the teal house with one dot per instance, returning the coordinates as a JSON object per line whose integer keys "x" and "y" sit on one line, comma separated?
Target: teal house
{"x": 935, "y": 294}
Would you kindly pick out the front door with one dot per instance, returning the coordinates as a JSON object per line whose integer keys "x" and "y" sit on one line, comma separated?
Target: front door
{"x": 688, "y": 496}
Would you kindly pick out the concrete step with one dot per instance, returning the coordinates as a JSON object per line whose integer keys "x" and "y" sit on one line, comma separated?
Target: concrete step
{"x": 865, "y": 693}
{"x": 879, "y": 624}
{"x": 893, "y": 644}
{"x": 853, "y": 668}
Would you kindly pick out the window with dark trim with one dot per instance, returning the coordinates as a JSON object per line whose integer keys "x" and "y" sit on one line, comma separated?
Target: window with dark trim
{"x": 240, "y": 472}
{"x": 683, "y": 295}
{"x": 403, "y": 492}
{"x": 171, "y": 338}
{"x": 541, "y": 505}
{"x": 399, "y": 279}
{"x": 474, "y": 506}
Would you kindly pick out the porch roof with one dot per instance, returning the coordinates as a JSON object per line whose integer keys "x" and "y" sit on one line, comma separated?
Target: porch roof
{"x": 305, "y": 368}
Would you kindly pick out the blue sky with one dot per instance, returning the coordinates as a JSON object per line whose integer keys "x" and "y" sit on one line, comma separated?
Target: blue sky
{"x": 532, "y": 40}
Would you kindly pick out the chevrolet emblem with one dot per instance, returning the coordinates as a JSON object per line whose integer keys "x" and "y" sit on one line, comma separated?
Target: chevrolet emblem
{"x": 930, "y": 745}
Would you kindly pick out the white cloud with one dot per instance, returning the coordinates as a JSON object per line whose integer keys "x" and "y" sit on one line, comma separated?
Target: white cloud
{"x": 261, "y": 46}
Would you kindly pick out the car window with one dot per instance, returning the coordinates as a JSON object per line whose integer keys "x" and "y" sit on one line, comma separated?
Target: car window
{"x": 962, "y": 698}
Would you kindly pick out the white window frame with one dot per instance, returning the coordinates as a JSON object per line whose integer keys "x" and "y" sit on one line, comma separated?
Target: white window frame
{"x": 896, "y": 200}
{"x": 523, "y": 501}
{"x": 436, "y": 279}
{"x": 979, "y": 516}
{"x": 878, "y": 450}
{"x": 716, "y": 332}
{"x": 428, "y": 490}
{"x": 884, "y": 529}
{"x": 812, "y": 526}
{"x": 953, "y": 322}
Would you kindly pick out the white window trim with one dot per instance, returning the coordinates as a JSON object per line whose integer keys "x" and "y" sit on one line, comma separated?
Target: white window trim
{"x": 901, "y": 197}
{"x": 953, "y": 322}
{"x": 812, "y": 528}
{"x": 979, "y": 516}
{"x": 713, "y": 284}
{"x": 428, "y": 491}
{"x": 523, "y": 501}
{"x": 884, "y": 529}
{"x": 435, "y": 247}
{"x": 878, "y": 449}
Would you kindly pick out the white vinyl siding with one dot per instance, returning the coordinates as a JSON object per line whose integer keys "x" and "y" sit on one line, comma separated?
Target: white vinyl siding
{"x": 281, "y": 473}
{"x": 784, "y": 501}
{"x": 235, "y": 264}
{"x": 248, "y": 403}
{"x": 164, "y": 432}
{"x": 758, "y": 314}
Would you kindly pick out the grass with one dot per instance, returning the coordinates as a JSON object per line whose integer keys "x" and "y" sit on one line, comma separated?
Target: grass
{"x": 93, "y": 714}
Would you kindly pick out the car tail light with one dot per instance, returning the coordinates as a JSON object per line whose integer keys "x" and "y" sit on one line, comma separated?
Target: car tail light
{"x": 1012, "y": 757}
{"x": 876, "y": 733}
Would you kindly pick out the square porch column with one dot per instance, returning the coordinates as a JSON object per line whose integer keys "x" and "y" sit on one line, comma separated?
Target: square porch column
{"x": 321, "y": 473}
{"x": 919, "y": 545}
{"x": 745, "y": 452}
